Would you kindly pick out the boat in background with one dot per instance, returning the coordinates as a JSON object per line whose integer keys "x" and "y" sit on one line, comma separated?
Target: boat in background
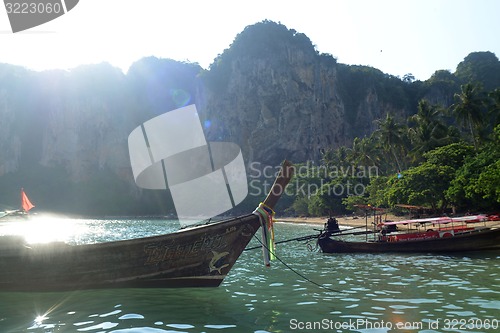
{"x": 199, "y": 256}
{"x": 439, "y": 234}
{"x": 17, "y": 214}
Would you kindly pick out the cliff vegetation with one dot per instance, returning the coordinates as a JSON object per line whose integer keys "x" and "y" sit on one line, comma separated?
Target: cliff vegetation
{"x": 64, "y": 133}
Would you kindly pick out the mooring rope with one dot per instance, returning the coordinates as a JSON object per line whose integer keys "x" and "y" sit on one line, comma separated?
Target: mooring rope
{"x": 295, "y": 271}
{"x": 302, "y": 238}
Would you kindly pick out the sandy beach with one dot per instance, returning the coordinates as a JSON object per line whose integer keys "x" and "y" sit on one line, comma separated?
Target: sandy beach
{"x": 350, "y": 221}
{"x": 354, "y": 221}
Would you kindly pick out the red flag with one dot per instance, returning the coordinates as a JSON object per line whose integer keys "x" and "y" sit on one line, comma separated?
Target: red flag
{"x": 25, "y": 202}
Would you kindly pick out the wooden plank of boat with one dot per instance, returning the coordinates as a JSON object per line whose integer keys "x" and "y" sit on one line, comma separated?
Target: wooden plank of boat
{"x": 475, "y": 240}
{"x": 195, "y": 257}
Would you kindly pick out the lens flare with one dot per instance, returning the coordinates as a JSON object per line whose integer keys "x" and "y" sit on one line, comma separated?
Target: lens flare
{"x": 180, "y": 97}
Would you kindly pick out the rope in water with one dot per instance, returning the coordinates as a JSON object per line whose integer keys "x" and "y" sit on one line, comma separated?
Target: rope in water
{"x": 299, "y": 239}
{"x": 295, "y": 271}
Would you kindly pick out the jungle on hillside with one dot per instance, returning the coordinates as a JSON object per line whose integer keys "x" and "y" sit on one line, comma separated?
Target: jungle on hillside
{"x": 440, "y": 158}
{"x": 356, "y": 134}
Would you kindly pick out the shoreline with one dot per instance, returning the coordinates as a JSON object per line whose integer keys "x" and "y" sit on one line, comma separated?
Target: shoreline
{"x": 350, "y": 221}
{"x": 355, "y": 221}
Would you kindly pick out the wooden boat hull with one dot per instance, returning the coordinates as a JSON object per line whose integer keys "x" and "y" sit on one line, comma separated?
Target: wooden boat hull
{"x": 195, "y": 257}
{"x": 472, "y": 241}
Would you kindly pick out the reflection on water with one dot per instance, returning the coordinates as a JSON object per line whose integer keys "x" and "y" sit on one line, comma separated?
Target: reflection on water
{"x": 379, "y": 293}
{"x": 46, "y": 228}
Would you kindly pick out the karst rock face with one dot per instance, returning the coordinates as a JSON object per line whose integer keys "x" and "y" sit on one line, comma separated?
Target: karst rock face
{"x": 277, "y": 97}
{"x": 284, "y": 108}
{"x": 65, "y": 120}
{"x": 271, "y": 92}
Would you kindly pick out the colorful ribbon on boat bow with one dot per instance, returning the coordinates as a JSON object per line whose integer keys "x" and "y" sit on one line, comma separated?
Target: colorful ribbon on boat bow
{"x": 266, "y": 215}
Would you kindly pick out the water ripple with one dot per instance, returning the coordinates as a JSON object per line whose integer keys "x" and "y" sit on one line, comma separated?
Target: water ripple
{"x": 387, "y": 288}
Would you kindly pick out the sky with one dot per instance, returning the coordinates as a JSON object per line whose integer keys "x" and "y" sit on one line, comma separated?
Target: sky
{"x": 396, "y": 36}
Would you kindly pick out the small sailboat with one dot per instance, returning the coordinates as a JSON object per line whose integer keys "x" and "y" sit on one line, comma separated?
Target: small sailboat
{"x": 199, "y": 256}
{"x": 205, "y": 179}
{"x": 22, "y": 212}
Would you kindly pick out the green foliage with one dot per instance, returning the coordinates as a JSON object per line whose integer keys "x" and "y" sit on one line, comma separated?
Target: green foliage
{"x": 351, "y": 201}
{"x": 427, "y": 130}
{"x": 476, "y": 181}
{"x": 300, "y": 206}
{"x": 376, "y": 190}
{"x": 494, "y": 107}
{"x": 452, "y": 155}
{"x": 480, "y": 67}
{"x": 444, "y": 81}
{"x": 320, "y": 189}
{"x": 441, "y": 168}
{"x": 330, "y": 197}
{"x": 356, "y": 82}
{"x": 429, "y": 177}
{"x": 408, "y": 78}
{"x": 423, "y": 185}
{"x": 489, "y": 183}
{"x": 390, "y": 135}
{"x": 469, "y": 110}
{"x": 421, "y": 148}
{"x": 265, "y": 40}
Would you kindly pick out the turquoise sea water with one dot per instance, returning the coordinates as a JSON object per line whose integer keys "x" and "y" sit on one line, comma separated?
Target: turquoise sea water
{"x": 373, "y": 293}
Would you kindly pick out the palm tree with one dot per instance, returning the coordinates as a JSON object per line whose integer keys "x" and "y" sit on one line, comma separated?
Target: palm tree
{"x": 336, "y": 158}
{"x": 428, "y": 131}
{"x": 494, "y": 106}
{"x": 468, "y": 109}
{"x": 363, "y": 152}
{"x": 391, "y": 136}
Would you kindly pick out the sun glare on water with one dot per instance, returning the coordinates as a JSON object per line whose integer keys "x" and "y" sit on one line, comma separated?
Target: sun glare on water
{"x": 45, "y": 229}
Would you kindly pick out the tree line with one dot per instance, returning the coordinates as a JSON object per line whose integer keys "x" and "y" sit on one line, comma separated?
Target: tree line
{"x": 441, "y": 157}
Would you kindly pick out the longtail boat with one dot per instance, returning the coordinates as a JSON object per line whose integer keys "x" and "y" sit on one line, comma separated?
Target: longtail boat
{"x": 199, "y": 256}
{"x": 439, "y": 234}
{"x": 205, "y": 179}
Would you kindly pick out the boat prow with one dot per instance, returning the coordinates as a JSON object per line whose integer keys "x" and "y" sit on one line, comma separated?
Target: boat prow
{"x": 196, "y": 257}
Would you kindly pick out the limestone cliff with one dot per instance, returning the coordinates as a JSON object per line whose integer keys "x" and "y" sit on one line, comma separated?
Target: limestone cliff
{"x": 277, "y": 97}
{"x": 64, "y": 133}
{"x": 276, "y": 106}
